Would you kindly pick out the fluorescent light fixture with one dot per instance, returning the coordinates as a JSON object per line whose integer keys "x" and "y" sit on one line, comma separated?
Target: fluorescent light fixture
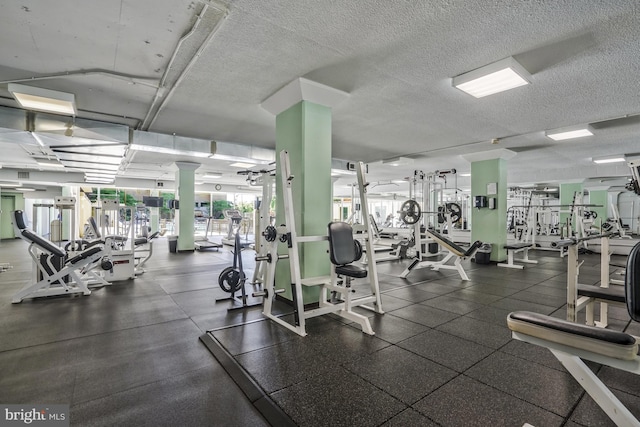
{"x": 570, "y": 132}
{"x": 493, "y": 78}
{"x": 398, "y": 161}
{"x": 199, "y": 182}
{"x": 99, "y": 180}
{"x": 25, "y": 189}
{"x": 35, "y": 98}
{"x": 212, "y": 175}
{"x": 242, "y": 165}
{"x": 99, "y": 175}
{"x": 465, "y": 174}
{"x": 230, "y": 158}
{"x": 165, "y": 150}
{"x": 611, "y": 159}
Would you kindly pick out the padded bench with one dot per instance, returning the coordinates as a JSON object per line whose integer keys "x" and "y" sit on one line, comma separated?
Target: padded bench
{"x": 454, "y": 251}
{"x": 572, "y": 343}
{"x": 514, "y": 249}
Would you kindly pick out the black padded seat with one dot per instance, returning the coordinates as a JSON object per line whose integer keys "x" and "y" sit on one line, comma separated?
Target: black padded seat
{"x": 600, "y": 334}
{"x": 615, "y": 294}
{"x": 632, "y": 283}
{"x": 140, "y": 241}
{"x": 516, "y": 246}
{"x": 343, "y": 250}
{"x": 84, "y": 255}
{"x": 44, "y": 244}
{"x": 602, "y": 341}
{"x": 351, "y": 271}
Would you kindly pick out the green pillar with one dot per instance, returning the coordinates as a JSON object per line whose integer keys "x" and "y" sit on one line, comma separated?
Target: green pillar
{"x": 154, "y": 214}
{"x": 303, "y": 128}
{"x": 567, "y": 192}
{"x": 489, "y": 178}
{"x": 185, "y": 193}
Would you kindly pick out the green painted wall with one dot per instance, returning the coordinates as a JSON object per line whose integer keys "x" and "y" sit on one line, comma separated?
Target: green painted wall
{"x": 599, "y": 197}
{"x": 11, "y": 201}
{"x": 566, "y": 198}
{"x": 304, "y": 130}
{"x": 490, "y": 225}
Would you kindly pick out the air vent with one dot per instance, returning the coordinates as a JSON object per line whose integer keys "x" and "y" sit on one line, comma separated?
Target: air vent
{"x": 23, "y": 175}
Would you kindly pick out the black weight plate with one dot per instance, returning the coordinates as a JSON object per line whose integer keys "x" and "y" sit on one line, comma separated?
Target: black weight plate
{"x": 231, "y": 279}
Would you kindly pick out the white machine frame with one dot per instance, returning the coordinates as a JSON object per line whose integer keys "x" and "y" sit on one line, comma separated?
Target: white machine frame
{"x": 53, "y": 282}
{"x": 328, "y": 284}
{"x": 442, "y": 264}
{"x": 571, "y": 348}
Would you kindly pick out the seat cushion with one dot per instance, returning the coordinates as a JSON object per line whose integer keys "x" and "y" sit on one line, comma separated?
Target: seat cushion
{"x": 351, "y": 270}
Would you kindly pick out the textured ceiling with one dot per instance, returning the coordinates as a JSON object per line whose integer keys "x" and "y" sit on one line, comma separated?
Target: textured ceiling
{"x": 395, "y": 58}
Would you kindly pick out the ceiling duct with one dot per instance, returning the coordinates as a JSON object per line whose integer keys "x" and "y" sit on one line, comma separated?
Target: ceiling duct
{"x": 80, "y": 128}
{"x": 171, "y": 144}
{"x": 242, "y": 153}
{"x": 12, "y": 118}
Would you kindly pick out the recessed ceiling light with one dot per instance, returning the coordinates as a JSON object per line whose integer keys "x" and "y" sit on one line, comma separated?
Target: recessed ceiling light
{"x": 609, "y": 159}
{"x": 570, "y": 132}
{"x": 241, "y": 165}
{"x": 212, "y": 175}
{"x": 493, "y": 78}
{"x": 35, "y": 98}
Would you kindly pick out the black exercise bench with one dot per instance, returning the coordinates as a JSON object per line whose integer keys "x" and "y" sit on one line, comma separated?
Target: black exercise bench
{"x": 513, "y": 249}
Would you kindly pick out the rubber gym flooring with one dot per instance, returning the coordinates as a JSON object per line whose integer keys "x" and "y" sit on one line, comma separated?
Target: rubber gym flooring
{"x": 130, "y": 354}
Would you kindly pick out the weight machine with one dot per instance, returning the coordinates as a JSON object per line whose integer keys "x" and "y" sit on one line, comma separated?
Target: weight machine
{"x": 335, "y": 290}
{"x": 581, "y": 296}
{"x": 266, "y": 179}
{"x": 56, "y": 272}
{"x": 235, "y": 221}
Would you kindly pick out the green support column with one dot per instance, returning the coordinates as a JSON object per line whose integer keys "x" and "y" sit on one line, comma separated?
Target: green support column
{"x": 567, "y": 192}
{"x": 489, "y": 175}
{"x": 185, "y": 193}
{"x": 303, "y": 128}
{"x": 154, "y": 214}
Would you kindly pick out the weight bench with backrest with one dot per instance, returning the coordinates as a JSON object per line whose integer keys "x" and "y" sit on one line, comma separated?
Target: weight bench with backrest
{"x": 572, "y": 343}
{"x": 514, "y": 249}
{"x": 344, "y": 250}
{"x": 454, "y": 250}
{"x": 61, "y": 275}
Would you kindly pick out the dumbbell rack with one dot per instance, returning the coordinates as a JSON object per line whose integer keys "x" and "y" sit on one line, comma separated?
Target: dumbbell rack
{"x": 287, "y": 234}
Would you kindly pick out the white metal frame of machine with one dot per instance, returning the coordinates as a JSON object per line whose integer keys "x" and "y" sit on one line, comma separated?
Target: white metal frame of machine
{"x": 328, "y": 284}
